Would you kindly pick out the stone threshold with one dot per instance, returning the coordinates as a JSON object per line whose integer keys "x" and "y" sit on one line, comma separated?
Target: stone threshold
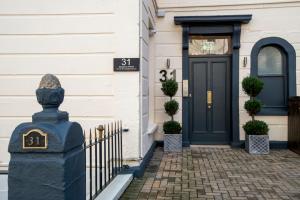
{"x": 210, "y": 146}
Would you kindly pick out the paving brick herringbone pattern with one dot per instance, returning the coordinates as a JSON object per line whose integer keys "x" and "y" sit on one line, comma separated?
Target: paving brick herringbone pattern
{"x": 218, "y": 173}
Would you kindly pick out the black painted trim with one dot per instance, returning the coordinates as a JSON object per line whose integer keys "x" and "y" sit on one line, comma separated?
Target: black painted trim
{"x": 242, "y": 19}
{"x": 208, "y": 29}
{"x": 160, "y": 143}
{"x": 235, "y": 119}
{"x": 3, "y": 172}
{"x": 138, "y": 171}
{"x": 291, "y": 63}
{"x": 228, "y": 24}
{"x": 185, "y": 76}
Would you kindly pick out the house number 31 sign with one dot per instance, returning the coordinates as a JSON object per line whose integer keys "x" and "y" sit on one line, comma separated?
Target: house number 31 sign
{"x": 167, "y": 74}
{"x": 35, "y": 139}
{"x": 126, "y": 64}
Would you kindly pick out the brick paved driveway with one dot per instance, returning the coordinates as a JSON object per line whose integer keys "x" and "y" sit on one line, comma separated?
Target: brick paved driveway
{"x": 218, "y": 173}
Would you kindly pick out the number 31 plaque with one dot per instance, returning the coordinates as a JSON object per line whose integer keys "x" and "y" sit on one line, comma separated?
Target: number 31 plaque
{"x": 35, "y": 139}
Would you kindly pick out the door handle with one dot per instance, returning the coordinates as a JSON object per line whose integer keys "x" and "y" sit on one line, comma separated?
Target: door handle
{"x": 209, "y": 98}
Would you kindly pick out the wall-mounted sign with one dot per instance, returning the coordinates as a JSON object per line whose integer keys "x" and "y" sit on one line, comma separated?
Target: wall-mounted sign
{"x": 35, "y": 139}
{"x": 126, "y": 64}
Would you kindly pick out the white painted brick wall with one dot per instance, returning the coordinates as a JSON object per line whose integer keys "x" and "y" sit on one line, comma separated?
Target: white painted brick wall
{"x": 77, "y": 41}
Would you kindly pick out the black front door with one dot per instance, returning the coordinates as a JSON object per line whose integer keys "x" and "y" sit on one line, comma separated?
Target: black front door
{"x": 210, "y": 100}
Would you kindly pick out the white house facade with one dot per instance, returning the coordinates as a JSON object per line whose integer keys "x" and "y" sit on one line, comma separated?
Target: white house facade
{"x": 211, "y": 45}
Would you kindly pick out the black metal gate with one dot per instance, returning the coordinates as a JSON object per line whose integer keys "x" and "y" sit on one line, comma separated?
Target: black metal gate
{"x": 294, "y": 124}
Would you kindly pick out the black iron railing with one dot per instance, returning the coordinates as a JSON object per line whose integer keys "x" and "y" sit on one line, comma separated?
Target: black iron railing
{"x": 104, "y": 156}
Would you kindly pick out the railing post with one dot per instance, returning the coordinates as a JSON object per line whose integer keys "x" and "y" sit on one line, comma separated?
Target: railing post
{"x": 112, "y": 149}
{"x": 115, "y": 138}
{"x": 119, "y": 153}
{"x": 108, "y": 152}
{"x": 96, "y": 161}
{"x": 100, "y": 129}
{"x": 105, "y": 161}
{"x": 121, "y": 144}
{"x": 91, "y": 165}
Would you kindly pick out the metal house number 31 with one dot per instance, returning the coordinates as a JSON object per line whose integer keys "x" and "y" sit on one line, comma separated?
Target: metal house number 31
{"x": 35, "y": 139}
{"x": 164, "y": 75}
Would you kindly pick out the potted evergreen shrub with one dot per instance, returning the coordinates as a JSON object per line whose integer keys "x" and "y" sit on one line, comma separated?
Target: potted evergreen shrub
{"x": 257, "y": 138}
{"x": 172, "y": 129}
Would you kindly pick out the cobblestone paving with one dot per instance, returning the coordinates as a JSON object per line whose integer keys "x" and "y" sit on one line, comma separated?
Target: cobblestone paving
{"x": 218, "y": 173}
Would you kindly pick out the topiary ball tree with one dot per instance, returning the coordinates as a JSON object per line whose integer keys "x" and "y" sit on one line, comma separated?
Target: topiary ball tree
{"x": 256, "y": 127}
{"x": 169, "y": 88}
{"x": 253, "y": 107}
{"x": 252, "y": 86}
{"x": 171, "y": 107}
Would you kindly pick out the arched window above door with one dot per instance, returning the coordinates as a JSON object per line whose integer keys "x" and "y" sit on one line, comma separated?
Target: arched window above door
{"x": 273, "y": 60}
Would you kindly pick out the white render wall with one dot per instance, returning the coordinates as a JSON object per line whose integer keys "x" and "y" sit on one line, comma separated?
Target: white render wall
{"x": 147, "y": 17}
{"x": 217, "y": 3}
{"x": 270, "y": 18}
{"x": 77, "y": 41}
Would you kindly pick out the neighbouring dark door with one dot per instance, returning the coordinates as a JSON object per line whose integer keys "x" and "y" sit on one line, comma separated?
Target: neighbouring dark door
{"x": 210, "y": 113}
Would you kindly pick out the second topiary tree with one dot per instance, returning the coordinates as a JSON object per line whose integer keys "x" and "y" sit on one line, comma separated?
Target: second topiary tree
{"x": 169, "y": 88}
{"x": 252, "y": 87}
{"x": 257, "y": 139}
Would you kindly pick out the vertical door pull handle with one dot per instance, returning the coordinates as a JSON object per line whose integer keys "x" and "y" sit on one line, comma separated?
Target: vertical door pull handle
{"x": 209, "y": 98}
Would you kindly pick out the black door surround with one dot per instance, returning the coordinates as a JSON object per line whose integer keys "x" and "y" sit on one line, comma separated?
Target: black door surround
{"x": 212, "y": 25}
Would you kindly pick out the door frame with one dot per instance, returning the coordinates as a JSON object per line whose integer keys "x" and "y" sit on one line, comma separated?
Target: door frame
{"x": 213, "y": 25}
{"x": 228, "y": 92}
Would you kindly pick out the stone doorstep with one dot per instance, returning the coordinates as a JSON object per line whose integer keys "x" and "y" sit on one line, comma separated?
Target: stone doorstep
{"x": 211, "y": 146}
{"x": 116, "y": 188}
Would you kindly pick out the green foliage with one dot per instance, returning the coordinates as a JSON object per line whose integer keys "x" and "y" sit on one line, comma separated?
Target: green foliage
{"x": 252, "y": 106}
{"x": 170, "y": 87}
{"x": 252, "y": 86}
{"x": 172, "y": 127}
{"x": 171, "y": 107}
{"x": 256, "y": 127}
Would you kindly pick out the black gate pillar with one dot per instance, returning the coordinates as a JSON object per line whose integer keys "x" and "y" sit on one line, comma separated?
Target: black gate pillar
{"x": 47, "y": 156}
{"x": 294, "y": 124}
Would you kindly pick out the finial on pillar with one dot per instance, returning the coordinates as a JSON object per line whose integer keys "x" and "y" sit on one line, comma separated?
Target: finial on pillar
{"x": 49, "y": 81}
{"x": 50, "y": 95}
